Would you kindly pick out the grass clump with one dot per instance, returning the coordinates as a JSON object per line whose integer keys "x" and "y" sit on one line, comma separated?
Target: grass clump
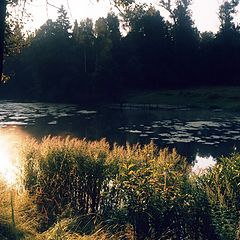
{"x": 66, "y": 175}
{"x": 21, "y": 206}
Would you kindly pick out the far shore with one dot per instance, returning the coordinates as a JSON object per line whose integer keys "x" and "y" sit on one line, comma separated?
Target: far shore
{"x": 227, "y": 98}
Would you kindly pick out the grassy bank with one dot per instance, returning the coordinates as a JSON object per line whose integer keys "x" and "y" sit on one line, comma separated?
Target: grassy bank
{"x": 75, "y": 189}
{"x": 215, "y": 97}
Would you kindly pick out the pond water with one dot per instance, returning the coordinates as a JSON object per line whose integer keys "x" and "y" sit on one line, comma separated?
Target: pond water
{"x": 193, "y": 132}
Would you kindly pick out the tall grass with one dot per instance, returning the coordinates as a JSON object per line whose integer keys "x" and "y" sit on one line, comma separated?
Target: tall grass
{"x": 78, "y": 189}
{"x": 67, "y": 175}
{"x": 18, "y": 216}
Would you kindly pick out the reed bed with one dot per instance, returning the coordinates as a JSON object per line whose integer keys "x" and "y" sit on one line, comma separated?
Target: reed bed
{"x": 79, "y": 189}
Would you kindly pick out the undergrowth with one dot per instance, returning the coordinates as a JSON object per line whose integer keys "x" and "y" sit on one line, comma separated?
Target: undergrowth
{"x": 77, "y": 189}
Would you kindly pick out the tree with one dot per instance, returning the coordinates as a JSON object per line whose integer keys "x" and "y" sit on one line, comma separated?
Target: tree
{"x": 84, "y": 34}
{"x": 62, "y": 23}
{"x": 228, "y": 44}
{"x": 185, "y": 33}
{"x": 45, "y": 68}
{"x": 8, "y": 27}
{"x": 3, "y": 6}
{"x": 185, "y": 40}
{"x": 226, "y": 12}
{"x": 103, "y": 42}
{"x": 150, "y": 45}
{"x": 113, "y": 27}
{"x": 3, "y": 13}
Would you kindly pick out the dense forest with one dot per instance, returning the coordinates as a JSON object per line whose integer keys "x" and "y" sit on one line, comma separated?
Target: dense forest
{"x": 90, "y": 60}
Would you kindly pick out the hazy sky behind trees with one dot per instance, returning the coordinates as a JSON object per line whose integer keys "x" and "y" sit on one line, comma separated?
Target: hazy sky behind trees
{"x": 204, "y": 12}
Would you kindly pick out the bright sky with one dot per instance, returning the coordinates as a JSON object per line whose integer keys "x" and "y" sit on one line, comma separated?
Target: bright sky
{"x": 204, "y": 11}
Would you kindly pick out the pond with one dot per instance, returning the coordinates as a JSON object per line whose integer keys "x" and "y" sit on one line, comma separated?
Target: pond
{"x": 192, "y": 131}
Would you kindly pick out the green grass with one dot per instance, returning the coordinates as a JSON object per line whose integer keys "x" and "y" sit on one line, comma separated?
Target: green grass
{"x": 212, "y": 97}
{"x": 78, "y": 189}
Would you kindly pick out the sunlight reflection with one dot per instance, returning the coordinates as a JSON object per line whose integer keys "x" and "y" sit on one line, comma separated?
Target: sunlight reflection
{"x": 9, "y": 162}
{"x": 201, "y": 164}
{"x": 8, "y": 169}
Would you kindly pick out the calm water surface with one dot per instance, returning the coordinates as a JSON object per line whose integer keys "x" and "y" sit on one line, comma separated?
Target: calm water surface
{"x": 191, "y": 131}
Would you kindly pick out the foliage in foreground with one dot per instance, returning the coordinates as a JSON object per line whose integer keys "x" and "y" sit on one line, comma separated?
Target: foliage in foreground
{"x": 222, "y": 185}
{"x": 75, "y": 189}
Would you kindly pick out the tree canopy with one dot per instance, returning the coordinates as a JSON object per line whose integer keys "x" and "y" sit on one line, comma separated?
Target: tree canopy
{"x": 93, "y": 60}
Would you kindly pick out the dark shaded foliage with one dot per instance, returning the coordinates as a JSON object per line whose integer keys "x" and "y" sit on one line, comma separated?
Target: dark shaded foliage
{"x": 94, "y": 62}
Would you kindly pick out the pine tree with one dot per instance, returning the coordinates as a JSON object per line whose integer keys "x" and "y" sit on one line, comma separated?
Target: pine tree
{"x": 63, "y": 23}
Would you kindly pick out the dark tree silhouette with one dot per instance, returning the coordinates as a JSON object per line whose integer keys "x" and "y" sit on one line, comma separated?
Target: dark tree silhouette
{"x": 185, "y": 41}
{"x": 63, "y": 25}
{"x": 94, "y": 62}
{"x": 3, "y": 6}
{"x": 226, "y": 12}
{"x": 147, "y": 50}
{"x": 227, "y": 44}
{"x": 84, "y": 35}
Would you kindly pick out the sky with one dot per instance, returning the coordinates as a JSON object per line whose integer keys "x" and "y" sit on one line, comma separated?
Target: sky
{"x": 204, "y": 12}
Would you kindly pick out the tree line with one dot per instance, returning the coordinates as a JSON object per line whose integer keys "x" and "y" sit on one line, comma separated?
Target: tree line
{"x": 93, "y": 61}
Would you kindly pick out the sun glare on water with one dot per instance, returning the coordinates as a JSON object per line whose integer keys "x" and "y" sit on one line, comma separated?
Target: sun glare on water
{"x": 8, "y": 168}
{"x": 201, "y": 164}
{"x": 9, "y": 161}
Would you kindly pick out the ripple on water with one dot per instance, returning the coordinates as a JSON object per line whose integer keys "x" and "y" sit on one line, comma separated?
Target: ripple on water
{"x": 215, "y": 137}
{"x": 178, "y": 139}
{"x": 134, "y": 131}
{"x": 209, "y": 143}
{"x": 143, "y": 135}
{"x": 200, "y": 124}
{"x": 10, "y": 123}
{"x": 52, "y": 123}
{"x": 149, "y": 132}
{"x": 86, "y": 112}
{"x": 18, "y": 118}
{"x": 232, "y": 132}
{"x": 164, "y": 134}
{"x": 236, "y": 137}
{"x": 64, "y": 115}
{"x": 184, "y": 128}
